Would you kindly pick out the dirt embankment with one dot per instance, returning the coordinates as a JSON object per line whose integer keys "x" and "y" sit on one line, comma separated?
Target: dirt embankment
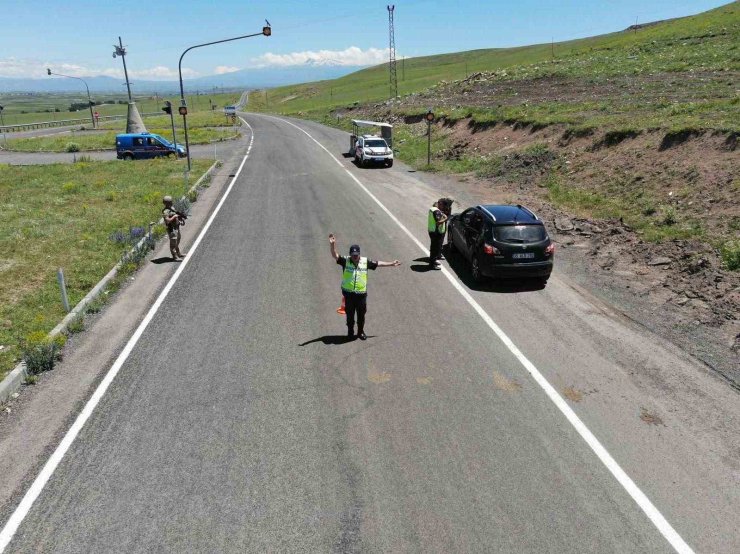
{"x": 678, "y": 284}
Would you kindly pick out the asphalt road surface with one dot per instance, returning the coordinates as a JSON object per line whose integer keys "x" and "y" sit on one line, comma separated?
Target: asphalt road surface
{"x": 243, "y": 421}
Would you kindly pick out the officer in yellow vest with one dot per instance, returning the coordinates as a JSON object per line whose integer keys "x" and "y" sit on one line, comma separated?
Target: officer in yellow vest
{"x": 354, "y": 285}
{"x": 437, "y": 227}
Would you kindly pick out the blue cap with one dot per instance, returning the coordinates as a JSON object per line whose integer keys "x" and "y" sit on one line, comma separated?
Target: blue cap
{"x": 354, "y": 249}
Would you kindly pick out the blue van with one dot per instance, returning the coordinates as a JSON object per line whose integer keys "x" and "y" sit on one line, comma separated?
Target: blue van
{"x": 137, "y": 146}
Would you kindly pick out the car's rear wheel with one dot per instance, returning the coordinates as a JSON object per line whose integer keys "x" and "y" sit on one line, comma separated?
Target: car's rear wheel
{"x": 128, "y": 156}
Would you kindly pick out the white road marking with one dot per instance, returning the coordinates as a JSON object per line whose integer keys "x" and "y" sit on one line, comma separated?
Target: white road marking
{"x": 55, "y": 459}
{"x": 611, "y": 464}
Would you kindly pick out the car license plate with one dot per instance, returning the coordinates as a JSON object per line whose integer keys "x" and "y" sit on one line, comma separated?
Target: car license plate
{"x": 523, "y": 255}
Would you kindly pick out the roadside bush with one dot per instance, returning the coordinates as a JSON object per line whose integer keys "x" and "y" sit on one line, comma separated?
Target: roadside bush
{"x": 70, "y": 188}
{"x": 96, "y": 305}
{"x": 72, "y": 147}
{"x": 77, "y": 325}
{"x": 40, "y": 353}
{"x": 730, "y": 252}
{"x": 669, "y": 216}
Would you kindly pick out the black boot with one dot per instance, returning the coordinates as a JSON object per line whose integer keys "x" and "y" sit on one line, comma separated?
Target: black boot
{"x": 361, "y": 334}
{"x": 350, "y": 332}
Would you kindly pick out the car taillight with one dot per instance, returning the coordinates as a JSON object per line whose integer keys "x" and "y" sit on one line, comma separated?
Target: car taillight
{"x": 550, "y": 250}
{"x": 490, "y": 250}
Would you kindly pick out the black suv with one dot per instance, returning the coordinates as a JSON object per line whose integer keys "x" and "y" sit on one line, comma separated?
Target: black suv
{"x": 502, "y": 242}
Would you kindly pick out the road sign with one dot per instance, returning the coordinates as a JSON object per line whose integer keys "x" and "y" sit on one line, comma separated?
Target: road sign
{"x": 183, "y": 110}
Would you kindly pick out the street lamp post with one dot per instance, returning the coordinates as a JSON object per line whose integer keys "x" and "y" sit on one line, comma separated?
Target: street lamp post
{"x": 266, "y": 31}
{"x": 2, "y": 122}
{"x": 429, "y": 117}
{"x": 89, "y": 102}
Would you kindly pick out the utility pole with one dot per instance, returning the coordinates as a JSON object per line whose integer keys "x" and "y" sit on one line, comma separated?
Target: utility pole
{"x": 552, "y": 47}
{"x": 403, "y": 68}
{"x": 392, "y": 53}
{"x": 2, "y": 121}
{"x": 121, "y": 51}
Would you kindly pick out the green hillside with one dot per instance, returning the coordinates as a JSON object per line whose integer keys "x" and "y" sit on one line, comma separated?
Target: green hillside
{"x": 657, "y": 55}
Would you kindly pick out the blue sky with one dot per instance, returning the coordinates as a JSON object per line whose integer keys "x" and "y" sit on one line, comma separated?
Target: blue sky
{"x": 77, "y": 37}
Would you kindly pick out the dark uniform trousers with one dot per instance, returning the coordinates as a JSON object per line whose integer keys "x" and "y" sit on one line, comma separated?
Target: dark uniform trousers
{"x": 435, "y": 246}
{"x": 355, "y": 302}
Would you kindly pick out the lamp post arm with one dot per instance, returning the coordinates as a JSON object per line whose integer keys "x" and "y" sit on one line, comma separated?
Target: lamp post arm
{"x": 89, "y": 101}
{"x": 182, "y": 89}
{"x": 179, "y": 64}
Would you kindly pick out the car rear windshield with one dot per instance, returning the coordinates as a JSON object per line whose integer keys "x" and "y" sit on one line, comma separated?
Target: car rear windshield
{"x": 520, "y": 233}
{"x": 375, "y": 143}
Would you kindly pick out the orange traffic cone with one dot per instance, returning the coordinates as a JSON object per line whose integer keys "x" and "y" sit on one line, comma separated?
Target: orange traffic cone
{"x": 340, "y": 309}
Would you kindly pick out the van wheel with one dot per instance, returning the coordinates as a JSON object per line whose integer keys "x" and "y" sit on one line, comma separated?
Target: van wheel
{"x": 128, "y": 156}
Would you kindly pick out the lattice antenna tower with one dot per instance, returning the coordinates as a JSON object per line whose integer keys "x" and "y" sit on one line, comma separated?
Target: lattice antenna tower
{"x": 392, "y": 53}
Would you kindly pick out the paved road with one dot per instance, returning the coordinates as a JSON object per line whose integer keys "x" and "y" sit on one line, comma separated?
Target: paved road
{"x": 242, "y": 421}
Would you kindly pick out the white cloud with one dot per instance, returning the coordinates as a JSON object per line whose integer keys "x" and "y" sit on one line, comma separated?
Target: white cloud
{"x": 352, "y": 56}
{"x": 15, "y": 67}
{"x": 221, "y": 69}
{"x": 35, "y": 68}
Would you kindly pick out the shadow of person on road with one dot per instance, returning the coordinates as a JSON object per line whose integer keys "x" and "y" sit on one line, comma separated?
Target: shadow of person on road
{"x": 164, "y": 260}
{"x": 422, "y": 267}
{"x": 331, "y": 339}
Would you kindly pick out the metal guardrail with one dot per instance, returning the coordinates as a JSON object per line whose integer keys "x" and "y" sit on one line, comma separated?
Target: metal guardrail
{"x": 63, "y": 122}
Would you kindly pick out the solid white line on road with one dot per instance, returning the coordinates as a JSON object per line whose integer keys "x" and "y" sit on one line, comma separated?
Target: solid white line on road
{"x": 55, "y": 459}
{"x": 611, "y": 464}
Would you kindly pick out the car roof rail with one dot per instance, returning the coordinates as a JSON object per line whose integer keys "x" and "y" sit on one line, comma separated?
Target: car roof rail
{"x": 485, "y": 210}
{"x": 530, "y": 212}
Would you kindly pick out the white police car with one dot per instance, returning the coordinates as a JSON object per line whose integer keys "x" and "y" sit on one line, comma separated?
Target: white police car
{"x": 371, "y": 149}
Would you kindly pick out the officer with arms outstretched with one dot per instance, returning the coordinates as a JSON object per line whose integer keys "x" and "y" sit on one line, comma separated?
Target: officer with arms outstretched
{"x": 354, "y": 285}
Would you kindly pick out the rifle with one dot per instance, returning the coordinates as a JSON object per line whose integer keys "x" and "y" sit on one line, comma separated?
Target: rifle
{"x": 181, "y": 216}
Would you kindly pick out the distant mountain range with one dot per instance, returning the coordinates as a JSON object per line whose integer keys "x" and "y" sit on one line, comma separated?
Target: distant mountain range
{"x": 243, "y": 79}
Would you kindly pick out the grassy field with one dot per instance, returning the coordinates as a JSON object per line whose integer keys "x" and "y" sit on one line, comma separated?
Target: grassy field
{"x": 88, "y": 141}
{"x": 34, "y": 107}
{"x": 72, "y": 216}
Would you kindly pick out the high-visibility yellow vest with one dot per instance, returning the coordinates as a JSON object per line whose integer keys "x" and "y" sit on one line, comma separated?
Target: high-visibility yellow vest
{"x": 354, "y": 278}
{"x": 432, "y": 225}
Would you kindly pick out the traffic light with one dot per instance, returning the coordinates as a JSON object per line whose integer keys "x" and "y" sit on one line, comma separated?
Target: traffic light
{"x": 168, "y": 108}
